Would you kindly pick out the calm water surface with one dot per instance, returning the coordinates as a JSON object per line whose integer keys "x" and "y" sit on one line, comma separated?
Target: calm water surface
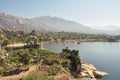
{"x": 104, "y": 55}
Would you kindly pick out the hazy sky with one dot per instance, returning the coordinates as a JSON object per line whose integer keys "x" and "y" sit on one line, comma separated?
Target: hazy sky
{"x": 87, "y": 12}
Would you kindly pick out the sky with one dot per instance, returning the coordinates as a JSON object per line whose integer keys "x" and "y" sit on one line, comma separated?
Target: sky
{"x": 87, "y": 12}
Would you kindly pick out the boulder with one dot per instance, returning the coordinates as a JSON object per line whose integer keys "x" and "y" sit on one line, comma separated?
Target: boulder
{"x": 88, "y": 66}
{"x": 83, "y": 74}
{"x": 99, "y": 74}
{"x": 90, "y": 71}
{"x": 88, "y": 79}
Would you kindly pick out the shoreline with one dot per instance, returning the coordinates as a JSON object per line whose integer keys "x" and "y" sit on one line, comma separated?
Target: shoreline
{"x": 85, "y": 40}
{"x": 77, "y": 41}
{"x": 90, "y": 71}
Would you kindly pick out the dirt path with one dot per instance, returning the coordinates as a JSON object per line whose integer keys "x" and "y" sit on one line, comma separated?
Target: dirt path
{"x": 22, "y": 74}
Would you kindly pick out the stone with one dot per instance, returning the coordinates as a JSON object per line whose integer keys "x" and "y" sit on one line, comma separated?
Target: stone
{"x": 88, "y": 66}
{"x": 85, "y": 75}
{"x": 90, "y": 71}
{"x": 99, "y": 74}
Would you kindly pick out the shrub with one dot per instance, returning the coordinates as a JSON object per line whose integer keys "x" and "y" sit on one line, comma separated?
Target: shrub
{"x": 54, "y": 69}
{"x": 2, "y": 62}
{"x": 67, "y": 63}
{"x": 49, "y": 61}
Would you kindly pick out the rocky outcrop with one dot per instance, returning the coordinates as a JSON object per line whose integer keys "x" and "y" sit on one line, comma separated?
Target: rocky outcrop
{"x": 99, "y": 74}
{"x": 81, "y": 69}
{"x": 90, "y": 72}
{"x": 73, "y": 56}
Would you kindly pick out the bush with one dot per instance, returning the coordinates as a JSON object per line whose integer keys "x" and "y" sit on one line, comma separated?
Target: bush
{"x": 2, "y": 62}
{"x": 44, "y": 53}
{"x": 49, "y": 61}
{"x": 67, "y": 63}
{"x": 54, "y": 69}
{"x": 20, "y": 56}
{"x": 25, "y": 56}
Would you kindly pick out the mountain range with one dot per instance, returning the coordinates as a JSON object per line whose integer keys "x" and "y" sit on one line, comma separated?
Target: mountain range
{"x": 54, "y": 24}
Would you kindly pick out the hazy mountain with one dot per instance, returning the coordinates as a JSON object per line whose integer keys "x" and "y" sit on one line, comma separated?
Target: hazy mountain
{"x": 44, "y": 23}
{"x": 110, "y": 29}
{"x": 48, "y": 23}
{"x": 16, "y": 23}
{"x": 60, "y": 24}
{"x": 107, "y": 28}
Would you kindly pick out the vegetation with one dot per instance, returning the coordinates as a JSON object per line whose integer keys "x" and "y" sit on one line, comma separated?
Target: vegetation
{"x": 19, "y": 59}
{"x": 37, "y": 77}
{"x": 9, "y": 37}
{"x": 54, "y": 69}
{"x": 74, "y": 58}
{"x": 22, "y": 57}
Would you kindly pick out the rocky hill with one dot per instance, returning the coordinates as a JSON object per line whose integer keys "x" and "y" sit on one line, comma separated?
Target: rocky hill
{"x": 54, "y": 24}
{"x": 43, "y": 23}
{"x": 10, "y": 22}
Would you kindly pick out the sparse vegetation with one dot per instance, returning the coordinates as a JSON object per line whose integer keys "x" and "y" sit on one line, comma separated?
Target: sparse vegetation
{"x": 73, "y": 56}
{"x": 11, "y": 37}
{"x": 20, "y": 59}
{"x": 54, "y": 69}
{"x": 37, "y": 77}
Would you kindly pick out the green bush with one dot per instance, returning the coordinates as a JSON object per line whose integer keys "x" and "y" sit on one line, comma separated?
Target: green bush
{"x": 20, "y": 56}
{"x": 2, "y": 62}
{"x": 49, "y": 61}
{"x": 66, "y": 63}
{"x": 54, "y": 69}
{"x": 44, "y": 53}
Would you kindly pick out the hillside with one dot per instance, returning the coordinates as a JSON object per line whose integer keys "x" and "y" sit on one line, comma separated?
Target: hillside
{"x": 60, "y": 24}
{"x": 41, "y": 64}
{"x": 43, "y": 23}
{"x": 54, "y": 24}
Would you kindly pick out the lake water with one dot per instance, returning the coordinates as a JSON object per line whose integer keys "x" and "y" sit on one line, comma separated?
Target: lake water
{"x": 104, "y": 55}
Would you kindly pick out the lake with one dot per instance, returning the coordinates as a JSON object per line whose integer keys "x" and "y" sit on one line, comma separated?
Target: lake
{"x": 104, "y": 55}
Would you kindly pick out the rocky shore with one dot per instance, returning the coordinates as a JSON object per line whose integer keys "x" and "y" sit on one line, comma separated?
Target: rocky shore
{"x": 89, "y": 72}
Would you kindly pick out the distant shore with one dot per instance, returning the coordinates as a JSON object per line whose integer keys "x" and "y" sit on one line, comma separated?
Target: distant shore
{"x": 85, "y": 40}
